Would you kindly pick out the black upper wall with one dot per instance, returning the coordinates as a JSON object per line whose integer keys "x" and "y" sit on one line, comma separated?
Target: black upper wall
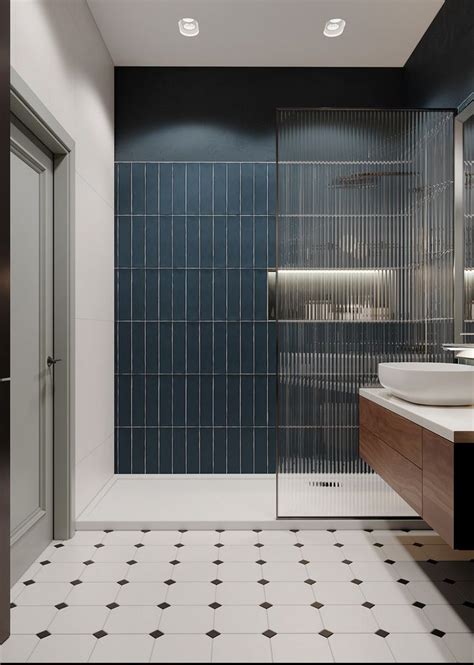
{"x": 440, "y": 71}
{"x": 228, "y": 114}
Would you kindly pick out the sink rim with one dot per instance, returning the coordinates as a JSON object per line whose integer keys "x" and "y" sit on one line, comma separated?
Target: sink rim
{"x": 427, "y": 367}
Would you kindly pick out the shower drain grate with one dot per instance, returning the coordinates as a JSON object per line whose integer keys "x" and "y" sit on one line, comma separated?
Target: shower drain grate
{"x": 324, "y": 483}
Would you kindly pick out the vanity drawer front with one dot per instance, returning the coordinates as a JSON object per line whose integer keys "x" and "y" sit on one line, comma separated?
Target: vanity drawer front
{"x": 401, "y": 474}
{"x": 438, "y": 485}
{"x": 399, "y": 433}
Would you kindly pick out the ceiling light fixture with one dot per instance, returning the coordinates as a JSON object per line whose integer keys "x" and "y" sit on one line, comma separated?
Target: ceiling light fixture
{"x": 188, "y": 27}
{"x": 334, "y": 27}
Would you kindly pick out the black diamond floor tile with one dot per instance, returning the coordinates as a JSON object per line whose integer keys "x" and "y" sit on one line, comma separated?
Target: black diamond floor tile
{"x": 43, "y": 634}
{"x": 76, "y": 582}
{"x": 132, "y": 562}
{"x": 269, "y": 633}
{"x": 123, "y": 582}
{"x": 368, "y": 605}
{"x": 164, "y": 606}
{"x": 112, "y": 606}
{"x": 356, "y": 581}
{"x": 382, "y": 633}
{"x": 419, "y": 605}
{"x": 215, "y": 606}
{"x": 325, "y": 633}
{"x": 316, "y": 605}
{"x": 156, "y": 634}
{"x": 438, "y": 633}
{"x": 100, "y": 634}
{"x": 216, "y": 582}
{"x": 265, "y": 605}
{"x": 61, "y": 606}
{"x": 213, "y": 634}
{"x": 263, "y": 582}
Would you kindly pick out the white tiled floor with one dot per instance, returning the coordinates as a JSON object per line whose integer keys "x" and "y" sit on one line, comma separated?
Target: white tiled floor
{"x": 245, "y": 596}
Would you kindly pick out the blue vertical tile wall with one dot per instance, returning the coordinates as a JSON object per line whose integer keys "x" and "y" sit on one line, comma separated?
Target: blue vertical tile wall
{"x": 195, "y": 353}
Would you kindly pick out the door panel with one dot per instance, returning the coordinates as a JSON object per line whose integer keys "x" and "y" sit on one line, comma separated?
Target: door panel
{"x": 31, "y": 343}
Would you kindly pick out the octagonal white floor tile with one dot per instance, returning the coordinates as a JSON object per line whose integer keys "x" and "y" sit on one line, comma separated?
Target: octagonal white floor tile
{"x": 240, "y": 619}
{"x": 316, "y": 537}
{"x": 44, "y": 593}
{"x": 182, "y": 649}
{"x": 79, "y": 619}
{"x": 387, "y": 593}
{"x": 191, "y": 593}
{"x": 194, "y": 571}
{"x": 133, "y": 619}
{"x": 149, "y": 572}
{"x": 338, "y": 593}
{"x": 104, "y": 572}
{"x": 461, "y": 646}
{"x": 93, "y": 593}
{"x": 300, "y": 649}
{"x": 239, "y": 538}
{"x": 289, "y": 593}
{"x": 240, "y": 593}
{"x": 277, "y": 537}
{"x": 272, "y": 553}
{"x": 348, "y": 619}
{"x": 248, "y": 553}
{"x": 17, "y": 648}
{"x": 187, "y": 619}
{"x": 60, "y": 572}
{"x": 116, "y": 553}
{"x": 241, "y": 649}
{"x": 316, "y": 553}
{"x": 123, "y": 649}
{"x": 239, "y": 571}
{"x": 72, "y": 553}
{"x": 26, "y": 619}
{"x": 360, "y": 648}
{"x": 161, "y": 538}
{"x": 329, "y": 571}
{"x": 193, "y": 553}
{"x": 402, "y": 619}
{"x": 63, "y": 649}
{"x": 200, "y": 538}
{"x": 142, "y": 593}
{"x": 123, "y": 538}
{"x": 416, "y": 648}
{"x": 451, "y": 618}
{"x": 294, "y": 619}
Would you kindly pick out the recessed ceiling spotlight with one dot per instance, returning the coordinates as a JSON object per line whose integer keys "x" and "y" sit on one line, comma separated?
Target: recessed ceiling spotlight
{"x": 334, "y": 27}
{"x": 188, "y": 27}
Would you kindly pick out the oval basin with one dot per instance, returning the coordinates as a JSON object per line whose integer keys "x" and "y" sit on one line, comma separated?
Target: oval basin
{"x": 442, "y": 384}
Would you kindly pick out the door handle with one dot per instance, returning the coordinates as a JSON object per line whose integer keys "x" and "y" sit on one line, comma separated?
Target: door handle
{"x": 50, "y": 361}
{"x": 5, "y": 379}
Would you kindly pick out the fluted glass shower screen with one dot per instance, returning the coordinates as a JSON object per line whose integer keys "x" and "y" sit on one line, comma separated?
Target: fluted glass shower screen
{"x": 364, "y": 275}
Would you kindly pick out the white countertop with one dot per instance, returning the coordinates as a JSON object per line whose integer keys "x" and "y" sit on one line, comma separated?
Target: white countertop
{"x": 455, "y": 423}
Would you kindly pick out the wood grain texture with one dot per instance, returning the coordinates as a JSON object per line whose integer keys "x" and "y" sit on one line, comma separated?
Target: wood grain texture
{"x": 438, "y": 485}
{"x": 401, "y": 474}
{"x": 399, "y": 433}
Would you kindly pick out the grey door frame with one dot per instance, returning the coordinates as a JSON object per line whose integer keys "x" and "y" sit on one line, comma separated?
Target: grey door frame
{"x": 26, "y": 106}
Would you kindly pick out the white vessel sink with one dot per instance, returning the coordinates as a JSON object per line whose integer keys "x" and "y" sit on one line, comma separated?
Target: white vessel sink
{"x": 444, "y": 384}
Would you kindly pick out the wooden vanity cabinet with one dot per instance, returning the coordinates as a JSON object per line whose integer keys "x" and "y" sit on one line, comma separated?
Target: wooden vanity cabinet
{"x": 432, "y": 474}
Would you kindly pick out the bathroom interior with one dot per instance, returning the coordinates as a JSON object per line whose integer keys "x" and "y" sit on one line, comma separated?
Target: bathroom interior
{"x": 254, "y": 437}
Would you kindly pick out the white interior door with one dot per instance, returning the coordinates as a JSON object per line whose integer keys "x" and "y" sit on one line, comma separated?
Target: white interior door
{"x": 31, "y": 344}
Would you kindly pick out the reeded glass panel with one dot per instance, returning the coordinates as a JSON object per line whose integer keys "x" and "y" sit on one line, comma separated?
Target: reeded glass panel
{"x": 364, "y": 275}
{"x": 468, "y": 153}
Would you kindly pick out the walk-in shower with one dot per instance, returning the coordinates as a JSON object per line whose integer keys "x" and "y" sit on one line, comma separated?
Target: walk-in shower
{"x": 364, "y": 275}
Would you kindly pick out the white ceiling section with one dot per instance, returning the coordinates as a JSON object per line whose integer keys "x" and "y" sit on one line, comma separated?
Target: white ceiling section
{"x": 263, "y": 33}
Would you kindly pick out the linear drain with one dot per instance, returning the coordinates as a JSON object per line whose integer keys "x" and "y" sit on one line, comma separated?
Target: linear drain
{"x": 325, "y": 483}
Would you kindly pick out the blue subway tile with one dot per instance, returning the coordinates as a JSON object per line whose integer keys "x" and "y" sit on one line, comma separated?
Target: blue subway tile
{"x": 138, "y": 400}
{"x": 233, "y": 241}
{"x": 152, "y": 297}
{"x": 138, "y": 450}
{"x": 124, "y": 449}
{"x": 165, "y": 240}
{"x": 124, "y": 294}
{"x": 124, "y": 399}
{"x": 271, "y": 189}
{"x": 206, "y": 295}
{"x": 152, "y": 350}
{"x": 271, "y": 383}
{"x": 192, "y": 295}
{"x": 220, "y": 186}
{"x": 233, "y": 398}
{"x": 124, "y": 189}
{"x": 179, "y": 190}
{"x": 271, "y": 242}
{"x": 179, "y": 401}
{"x": 246, "y": 452}
{"x": 247, "y": 400}
{"x": 151, "y": 203}
{"x": 233, "y": 295}
{"x": 246, "y": 243}
{"x": 205, "y": 189}
{"x": 233, "y": 348}
{"x": 138, "y": 347}
{"x": 220, "y": 401}
{"x": 261, "y": 435}
{"x": 260, "y": 348}
{"x": 233, "y": 450}
{"x": 192, "y": 189}
{"x": 271, "y": 450}
{"x": 220, "y": 450}
{"x": 260, "y": 400}
{"x": 151, "y": 401}
{"x": 151, "y": 239}
{"x": 205, "y": 225}
{"x": 206, "y": 348}
{"x": 260, "y": 189}
{"x": 261, "y": 305}
{"x": 138, "y": 189}
{"x": 233, "y": 189}
{"x": 179, "y": 349}
{"x": 220, "y": 242}
{"x": 271, "y": 347}
{"x": 166, "y": 401}
{"x": 151, "y": 450}
{"x": 192, "y": 348}
{"x": 247, "y": 342}
{"x": 260, "y": 226}
{"x": 179, "y": 297}
{"x": 165, "y": 348}
{"x": 192, "y": 401}
{"x": 166, "y": 292}
{"x": 205, "y": 404}
{"x": 247, "y": 295}
{"x": 247, "y": 196}
{"x": 192, "y": 241}
{"x": 192, "y": 450}
{"x": 220, "y": 348}
{"x": 124, "y": 346}
{"x": 166, "y": 450}
{"x": 123, "y": 238}
{"x": 138, "y": 294}
{"x": 165, "y": 189}
{"x": 179, "y": 248}
{"x": 206, "y": 461}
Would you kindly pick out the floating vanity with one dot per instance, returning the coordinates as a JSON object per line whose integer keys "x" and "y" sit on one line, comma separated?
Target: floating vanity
{"x": 426, "y": 453}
